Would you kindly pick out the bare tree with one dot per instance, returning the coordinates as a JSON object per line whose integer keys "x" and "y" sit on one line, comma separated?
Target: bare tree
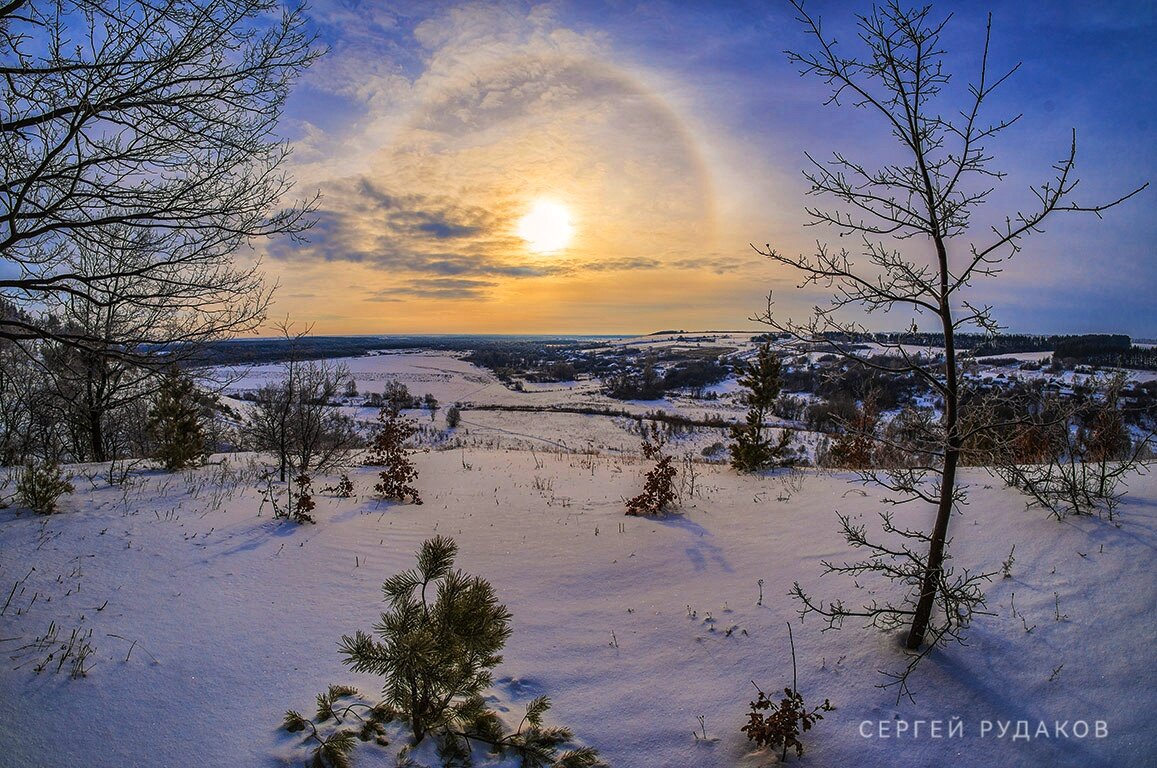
{"x": 138, "y": 152}
{"x": 295, "y": 417}
{"x": 912, "y": 220}
{"x": 96, "y": 384}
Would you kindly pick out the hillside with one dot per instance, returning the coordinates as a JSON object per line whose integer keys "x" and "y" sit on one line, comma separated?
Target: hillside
{"x": 206, "y": 619}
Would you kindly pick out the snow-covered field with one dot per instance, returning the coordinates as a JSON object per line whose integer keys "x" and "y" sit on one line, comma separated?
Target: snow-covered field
{"x": 206, "y": 619}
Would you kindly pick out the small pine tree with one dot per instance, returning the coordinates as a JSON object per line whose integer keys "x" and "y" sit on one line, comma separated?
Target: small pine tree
{"x": 435, "y": 646}
{"x": 389, "y": 451}
{"x": 335, "y": 706}
{"x": 40, "y": 486}
{"x": 175, "y": 422}
{"x": 438, "y": 640}
{"x": 753, "y": 448}
{"x": 453, "y": 416}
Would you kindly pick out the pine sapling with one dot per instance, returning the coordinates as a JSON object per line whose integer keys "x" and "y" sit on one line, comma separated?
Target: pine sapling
{"x": 435, "y": 647}
{"x": 437, "y": 641}
{"x": 753, "y": 449}
{"x": 176, "y": 422}
{"x": 353, "y": 719}
{"x": 41, "y": 485}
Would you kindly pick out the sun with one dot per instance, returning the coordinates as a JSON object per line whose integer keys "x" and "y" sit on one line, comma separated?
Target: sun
{"x": 546, "y": 227}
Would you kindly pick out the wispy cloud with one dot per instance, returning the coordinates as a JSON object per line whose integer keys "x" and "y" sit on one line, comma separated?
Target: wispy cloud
{"x": 505, "y": 106}
{"x": 450, "y": 289}
{"x": 674, "y": 133}
{"x": 408, "y": 235}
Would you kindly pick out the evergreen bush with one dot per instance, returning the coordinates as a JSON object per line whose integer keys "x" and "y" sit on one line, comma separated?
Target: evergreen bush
{"x": 438, "y": 640}
{"x": 752, "y": 448}
{"x": 41, "y": 485}
{"x": 435, "y": 647}
{"x": 176, "y": 422}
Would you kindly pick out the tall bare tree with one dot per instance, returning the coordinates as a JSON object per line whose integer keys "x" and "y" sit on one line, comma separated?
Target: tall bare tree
{"x": 139, "y": 154}
{"x": 917, "y": 251}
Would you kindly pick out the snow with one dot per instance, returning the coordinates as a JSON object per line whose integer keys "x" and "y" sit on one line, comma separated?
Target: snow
{"x": 441, "y": 374}
{"x": 209, "y": 619}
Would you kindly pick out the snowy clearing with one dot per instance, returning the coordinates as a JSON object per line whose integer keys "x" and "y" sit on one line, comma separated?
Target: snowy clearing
{"x": 207, "y": 619}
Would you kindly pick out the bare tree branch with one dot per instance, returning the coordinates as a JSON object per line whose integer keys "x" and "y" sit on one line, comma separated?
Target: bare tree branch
{"x": 148, "y": 126}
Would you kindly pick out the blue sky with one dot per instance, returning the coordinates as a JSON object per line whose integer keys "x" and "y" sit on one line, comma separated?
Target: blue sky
{"x": 674, "y": 135}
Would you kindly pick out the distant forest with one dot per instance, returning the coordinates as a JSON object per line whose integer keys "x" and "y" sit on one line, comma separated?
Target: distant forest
{"x": 499, "y": 352}
{"x": 272, "y": 350}
{"x": 1101, "y": 349}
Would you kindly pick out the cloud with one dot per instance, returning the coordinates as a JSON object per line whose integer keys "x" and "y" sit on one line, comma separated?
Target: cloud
{"x": 672, "y": 131}
{"x": 462, "y": 119}
{"x": 407, "y": 248}
{"x": 406, "y": 235}
{"x": 451, "y": 289}
{"x": 417, "y": 216}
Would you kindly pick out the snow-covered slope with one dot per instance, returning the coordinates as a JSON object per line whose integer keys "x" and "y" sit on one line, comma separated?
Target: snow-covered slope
{"x": 207, "y": 619}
